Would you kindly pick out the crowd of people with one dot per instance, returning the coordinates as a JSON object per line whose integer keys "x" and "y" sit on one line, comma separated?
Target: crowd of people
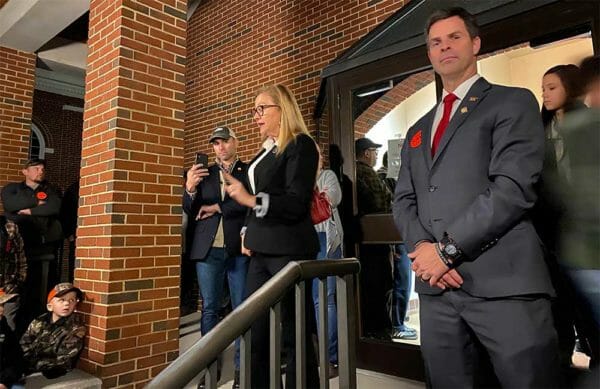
{"x": 497, "y": 205}
{"x": 39, "y": 328}
{"x": 488, "y": 198}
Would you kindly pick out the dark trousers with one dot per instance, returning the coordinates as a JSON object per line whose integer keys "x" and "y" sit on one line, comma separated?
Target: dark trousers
{"x": 402, "y": 286}
{"x": 516, "y": 333}
{"x": 261, "y": 269}
{"x": 375, "y": 281}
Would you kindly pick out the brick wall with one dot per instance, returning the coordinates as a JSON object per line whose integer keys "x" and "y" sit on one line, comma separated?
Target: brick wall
{"x": 128, "y": 244}
{"x": 17, "y": 73}
{"x": 61, "y": 129}
{"x": 235, "y": 47}
{"x": 390, "y": 100}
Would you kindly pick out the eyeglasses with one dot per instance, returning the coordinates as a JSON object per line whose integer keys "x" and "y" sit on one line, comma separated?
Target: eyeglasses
{"x": 260, "y": 109}
{"x": 376, "y": 151}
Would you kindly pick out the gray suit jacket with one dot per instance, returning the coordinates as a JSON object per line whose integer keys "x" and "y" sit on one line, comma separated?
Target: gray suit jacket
{"x": 479, "y": 188}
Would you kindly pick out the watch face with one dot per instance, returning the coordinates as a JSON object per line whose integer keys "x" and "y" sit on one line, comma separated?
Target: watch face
{"x": 450, "y": 249}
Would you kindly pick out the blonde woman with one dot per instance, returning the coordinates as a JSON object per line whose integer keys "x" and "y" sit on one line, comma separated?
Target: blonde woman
{"x": 279, "y": 229}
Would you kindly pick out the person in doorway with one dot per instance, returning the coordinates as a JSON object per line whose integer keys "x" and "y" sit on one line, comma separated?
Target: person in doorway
{"x": 331, "y": 238}
{"x": 561, "y": 90}
{"x": 402, "y": 283}
{"x": 217, "y": 219}
{"x": 578, "y": 246}
{"x": 462, "y": 203}
{"x": 372, "y": 196}
{"x": 279, "y": 228}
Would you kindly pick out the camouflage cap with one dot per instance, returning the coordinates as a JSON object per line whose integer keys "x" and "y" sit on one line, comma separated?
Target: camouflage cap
{"x": 5, "y": 297}
{"x": 64, "y": 288}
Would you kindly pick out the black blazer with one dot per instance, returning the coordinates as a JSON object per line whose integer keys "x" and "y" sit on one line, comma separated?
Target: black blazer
{"x": 204, "y": 231}
{"x": 288, "y": 179}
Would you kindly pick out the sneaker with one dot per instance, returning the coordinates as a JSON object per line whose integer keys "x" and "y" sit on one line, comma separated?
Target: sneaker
{"x": 405, "y": 334}
{"x": 333, "y": 370}
{"x": 236, "y": 380}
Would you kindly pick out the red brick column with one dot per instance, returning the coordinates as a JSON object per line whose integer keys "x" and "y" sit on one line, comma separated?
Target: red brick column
{"x": 17, "y": 74}
{"x": 128, "y": 245}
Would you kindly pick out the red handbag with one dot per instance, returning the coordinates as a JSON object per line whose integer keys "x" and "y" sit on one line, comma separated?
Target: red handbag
{"x": 320, "y": 209}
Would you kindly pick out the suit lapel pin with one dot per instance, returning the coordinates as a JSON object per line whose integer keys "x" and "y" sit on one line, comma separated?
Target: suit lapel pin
{"x": 464, "y": 110}
{"x": 473, "y": 98}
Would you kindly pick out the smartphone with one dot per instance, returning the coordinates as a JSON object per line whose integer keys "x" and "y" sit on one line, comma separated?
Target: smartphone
{"x": 202, "y": 159}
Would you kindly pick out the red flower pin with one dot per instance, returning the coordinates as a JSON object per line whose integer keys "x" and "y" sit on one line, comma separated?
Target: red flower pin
{"x": 416, "y": 140}
{"x": 41, "y": 195}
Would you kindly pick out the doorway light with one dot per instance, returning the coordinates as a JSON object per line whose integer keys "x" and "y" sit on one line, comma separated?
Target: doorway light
{"x": 378, "y": 90}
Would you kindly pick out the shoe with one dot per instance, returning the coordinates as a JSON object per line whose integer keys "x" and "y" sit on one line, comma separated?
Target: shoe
{"x": 236, "y": 380}
{"x": 404, "y": 334}
{"x": 333, "y": 370}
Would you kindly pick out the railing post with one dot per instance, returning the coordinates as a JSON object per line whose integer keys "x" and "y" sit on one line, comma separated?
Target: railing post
{"x": 323, "y": 334}
{"x": 300, "y": 334}
{"x": 245, "y": 360}
{"x": 275, "y": 346}
{"x": 346, "y": 331}
{"x": 210, "y": 378}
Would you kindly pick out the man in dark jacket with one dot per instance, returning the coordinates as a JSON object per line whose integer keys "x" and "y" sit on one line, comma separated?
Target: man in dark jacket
{"x": 34, "y": 205}
{"x": 216, "y": 220}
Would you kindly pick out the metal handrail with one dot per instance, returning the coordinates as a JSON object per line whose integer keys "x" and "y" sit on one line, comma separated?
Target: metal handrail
{"x": 204, "y": 352}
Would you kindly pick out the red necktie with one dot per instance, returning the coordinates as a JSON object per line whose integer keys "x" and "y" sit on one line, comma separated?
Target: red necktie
{"x": 448, "y": 101}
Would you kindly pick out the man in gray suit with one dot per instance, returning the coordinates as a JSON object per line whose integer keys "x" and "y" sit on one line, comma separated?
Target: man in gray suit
{"x": 462, "y": 204}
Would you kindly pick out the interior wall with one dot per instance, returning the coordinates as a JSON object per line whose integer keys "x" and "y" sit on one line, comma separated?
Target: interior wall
{"x": 523, "y": 67}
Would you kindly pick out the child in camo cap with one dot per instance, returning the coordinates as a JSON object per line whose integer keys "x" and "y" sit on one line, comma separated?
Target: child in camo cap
{"x": 53, "y": 341}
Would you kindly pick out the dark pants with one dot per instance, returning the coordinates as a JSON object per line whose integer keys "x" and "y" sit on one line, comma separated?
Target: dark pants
{"x": 42, "y": 276}
{"x": 375, "y": 280}
{"x": 262, "y": 268}
{"x": 517, "y": 334}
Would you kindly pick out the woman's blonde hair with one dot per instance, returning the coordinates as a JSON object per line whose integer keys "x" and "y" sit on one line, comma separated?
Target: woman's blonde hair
{"x": 292, "y": 124}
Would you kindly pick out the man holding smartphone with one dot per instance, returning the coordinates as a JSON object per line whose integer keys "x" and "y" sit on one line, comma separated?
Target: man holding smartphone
{"x": 215, "y": 221}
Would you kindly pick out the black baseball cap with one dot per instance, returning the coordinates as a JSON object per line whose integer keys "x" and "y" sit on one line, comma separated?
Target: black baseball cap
{"x": 222, "y": 133}
{"x": 365, "y": 143}
{"x": 34, "y": 162}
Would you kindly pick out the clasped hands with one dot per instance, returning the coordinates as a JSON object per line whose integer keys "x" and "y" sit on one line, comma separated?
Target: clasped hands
{"x": 428, "y": 267}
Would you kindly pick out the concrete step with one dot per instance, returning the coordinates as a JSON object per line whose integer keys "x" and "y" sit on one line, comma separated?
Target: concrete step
{"x": 75, "y": 379}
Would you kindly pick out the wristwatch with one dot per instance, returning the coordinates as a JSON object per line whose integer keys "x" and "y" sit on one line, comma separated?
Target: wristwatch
{"x": 451, "y": 254}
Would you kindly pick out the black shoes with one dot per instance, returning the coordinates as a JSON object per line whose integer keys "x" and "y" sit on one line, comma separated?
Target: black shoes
{"x": 236, "y": 380}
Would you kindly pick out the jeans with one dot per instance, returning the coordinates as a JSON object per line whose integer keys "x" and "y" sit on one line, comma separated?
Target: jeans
{"x": 211, "y": 277}
{"x": 401, "y": 286}
{"x": 331, "y": 307}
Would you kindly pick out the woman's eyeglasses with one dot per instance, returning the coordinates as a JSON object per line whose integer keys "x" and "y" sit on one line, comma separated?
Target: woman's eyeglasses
{"x": 260, "y": 109}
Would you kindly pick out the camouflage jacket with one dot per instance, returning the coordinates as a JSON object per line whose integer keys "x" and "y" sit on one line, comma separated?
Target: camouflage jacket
{"x": 53, "y": 347}
{"x": 13, "y": 264}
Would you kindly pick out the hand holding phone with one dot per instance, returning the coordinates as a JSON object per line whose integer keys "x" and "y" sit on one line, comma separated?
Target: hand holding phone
{"x": 197, "y": 173}
{"x": 201, "y": 159}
